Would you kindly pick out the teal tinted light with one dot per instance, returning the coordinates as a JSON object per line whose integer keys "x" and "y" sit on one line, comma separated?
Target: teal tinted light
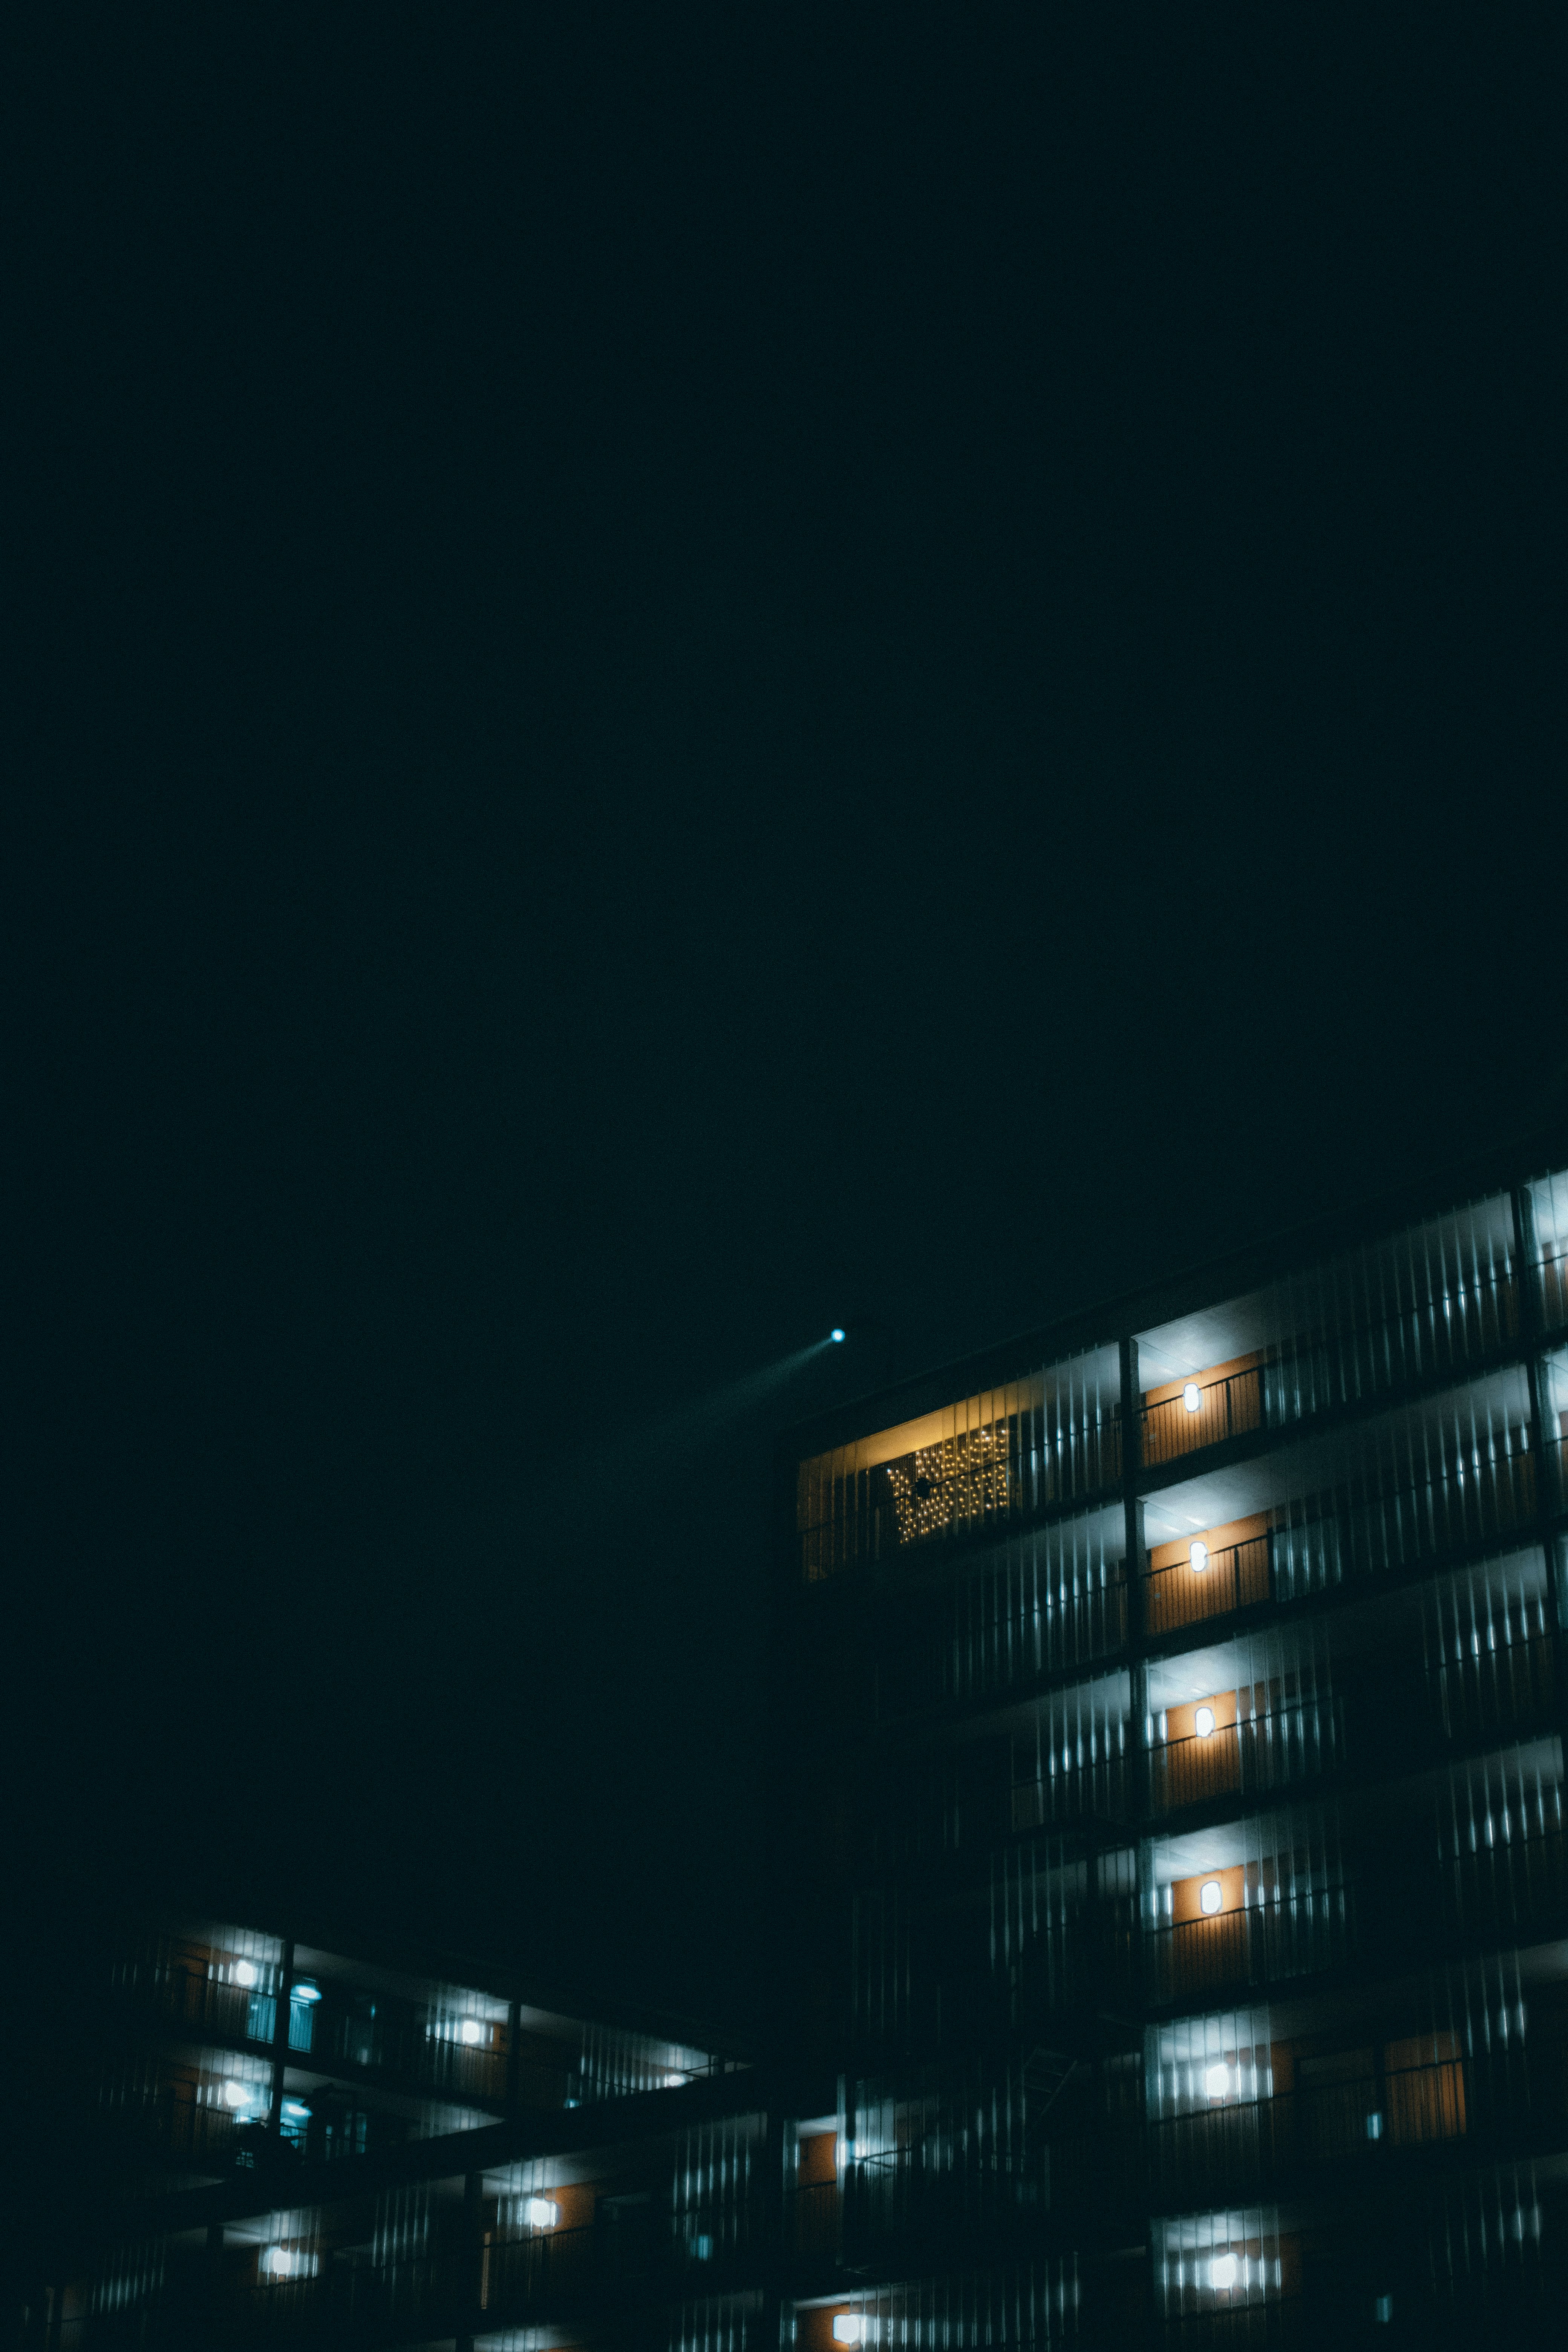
{"x": 307, "y": 1989}
{"x": 295, "y": 2112}
{"x": 838, "y": 1337}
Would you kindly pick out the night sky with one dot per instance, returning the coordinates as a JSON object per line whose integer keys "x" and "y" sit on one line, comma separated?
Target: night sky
{"x": 679, "y": 674}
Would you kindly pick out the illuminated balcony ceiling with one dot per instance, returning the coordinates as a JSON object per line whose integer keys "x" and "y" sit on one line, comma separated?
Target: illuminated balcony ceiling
{"x": 1214, "y": 1335}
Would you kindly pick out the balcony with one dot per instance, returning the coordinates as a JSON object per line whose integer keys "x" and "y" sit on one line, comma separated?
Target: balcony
{"x": 1481, "y": 1494}
{"x": 1048, "y": 1606}
{"x": 1511, "y": 1687}
{"x": 542, "y": 2269}
{"x": 1201, "y": 1411}
{"x": 185, "y": 1993}
{"x": 1094, "y": 1790}
{"x": 1199, "y": 1583}
{"x": 1361, "y": 2114}
{"x": 1473, "y": 1317}
{"x": 988, "y": 1465}
{"x": 1304, "y": 1350}
{"x": 900, "y": 2199}
{"x": 1254, "y": 1944}
{"x": 1086, "y": 1957}
{"x": 1513, "y": 1888}
{"x": 1246, "y": 1757}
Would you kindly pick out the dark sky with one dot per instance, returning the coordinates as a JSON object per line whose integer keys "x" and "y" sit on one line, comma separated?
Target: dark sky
{"x": 679, "y": 673}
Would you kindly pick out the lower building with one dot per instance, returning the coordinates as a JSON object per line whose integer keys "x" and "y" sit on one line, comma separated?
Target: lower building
{"x": 280, "y": 2140}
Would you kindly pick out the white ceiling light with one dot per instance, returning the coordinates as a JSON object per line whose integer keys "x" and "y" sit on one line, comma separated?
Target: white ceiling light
{"x": 1199, "y": 1556}
{"x": 244, "y": 1972}
{"x": 1209, "y": 1897}
{"x": 471, "y": 2032}
{"x": 1222, "y": 2271}
{"x": 237, "y": 2094}
{"x": 1217, "y": 2082}
{"x": 1204, "y": 1721}
{"x": 1193, "y": 1396}
{"x": 541, "y": 2213}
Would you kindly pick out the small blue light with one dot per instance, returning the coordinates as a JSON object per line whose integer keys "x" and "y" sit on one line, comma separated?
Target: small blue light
{"x": 838, "y": 1338}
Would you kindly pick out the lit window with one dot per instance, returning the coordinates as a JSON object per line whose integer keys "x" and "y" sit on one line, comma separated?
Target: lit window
{"x": 1205, "y": 1722}
{"x": 1209, "y": 1897}
{"x": 1199, "y": 1556}
{"x": 471, "y": 2032}
{"x": 1217, "y": 2082}
{"x": 542, "y": 2213}
{"x": 1383, "y": 2309}
{"x": 1374, "y": 2125}
{"x": 244, "y": 1972}
{"x": 1193, "y": 1396}
{"x": 1222, "y": 2272}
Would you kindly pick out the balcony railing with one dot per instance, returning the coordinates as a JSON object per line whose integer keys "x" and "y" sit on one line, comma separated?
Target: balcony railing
{"x": 1206, "y": 1413}
{"x": 1235, "y": 2147}
{"x": 1236, "y": 1577}
{"x": 1476, "y": 1316}
{"x": 1261, "y": 1752}
{"x": 1086, "y": 1954}
{"x": 187, "y": 1998}
{"x": 1515, "y": 1886}
{"x": 548, "y": 2266}
{"x": 1095, "y": 1790}
{"x": 1496, "y": 1689}
{"x": 1007, "y": 1633}
{"x": 1551, "y": 1280}
{"x": 815, "y": 2217}
{"x": 1260, "y": 1944}
{"x": 900, "y": 2197}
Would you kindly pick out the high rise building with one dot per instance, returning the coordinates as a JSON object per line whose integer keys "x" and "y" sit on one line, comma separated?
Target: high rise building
{"x": 1174, "y": 1767}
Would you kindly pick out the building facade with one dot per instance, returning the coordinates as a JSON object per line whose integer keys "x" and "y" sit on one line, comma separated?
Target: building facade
{"x": 282, "y": 2142}
{"x": 1175, "y": 1774}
